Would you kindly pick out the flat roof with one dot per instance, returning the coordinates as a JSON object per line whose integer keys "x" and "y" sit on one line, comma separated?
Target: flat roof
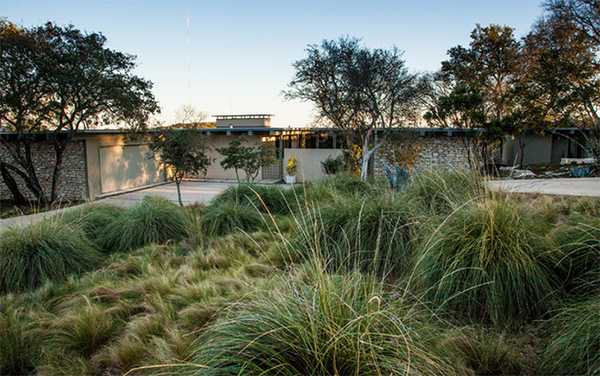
{"x": 247, "y": 116}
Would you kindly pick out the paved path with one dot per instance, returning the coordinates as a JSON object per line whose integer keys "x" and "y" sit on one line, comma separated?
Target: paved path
{"x": 571, "y": 186}
{"x": 191, "y": 192}
{"x": 203, "y": 192}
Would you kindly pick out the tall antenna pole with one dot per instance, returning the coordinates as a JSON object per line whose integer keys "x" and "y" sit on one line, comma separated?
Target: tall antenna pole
{"x": 188, "y": 60}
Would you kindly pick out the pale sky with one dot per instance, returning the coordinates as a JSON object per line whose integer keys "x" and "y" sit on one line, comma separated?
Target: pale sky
{"x": 241, "y": 51}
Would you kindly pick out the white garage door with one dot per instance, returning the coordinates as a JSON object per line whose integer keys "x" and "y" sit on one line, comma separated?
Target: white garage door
{"x": 129, "y": 166}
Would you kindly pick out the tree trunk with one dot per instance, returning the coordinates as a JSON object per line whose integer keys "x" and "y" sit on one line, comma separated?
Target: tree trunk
{"x": 22, "y": 165}
{"x": 178, "y": 178}
{"x": 367, "y": 154}
{"x": 594, "y": 137}
{"x": 32, "y": 181}
{"x": 177, "y": 183}
{"x": 59, "y": 150}
{"x": 12, "y": 185}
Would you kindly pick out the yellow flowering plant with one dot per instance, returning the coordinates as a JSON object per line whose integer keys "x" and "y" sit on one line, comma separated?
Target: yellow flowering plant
{"x": 291, "y": 166}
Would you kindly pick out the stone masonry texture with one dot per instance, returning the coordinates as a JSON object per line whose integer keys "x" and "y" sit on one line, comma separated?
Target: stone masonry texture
{"x": 440, "y": 152}
{"x": 73, "y": 179}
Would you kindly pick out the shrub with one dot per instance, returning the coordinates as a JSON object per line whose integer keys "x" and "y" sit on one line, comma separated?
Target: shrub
{"x": 332, "y": 166}
{"x": 575, "y": 345}
{"x": 43, "y": 251}
{"x": 332, "y": 325}
{"x": 153, "y": 220}
{"x": 487, "y": 262}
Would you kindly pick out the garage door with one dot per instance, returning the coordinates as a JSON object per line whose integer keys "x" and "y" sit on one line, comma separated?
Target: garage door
{"x": 126, "y": 167}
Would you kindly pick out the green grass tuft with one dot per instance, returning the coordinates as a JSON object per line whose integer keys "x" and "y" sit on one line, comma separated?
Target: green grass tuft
{"x": 225, "y": 218}
{"x": 328, "y": 325}
{"x": 265, "y": 198}
{"x": 440, "y": 192}
{"x": 85, "y": 330}
{"x": 483, "y": 353}
{"x": 92, "y": 219}
{"x": 153, "y": 220}
{"x": 575, "y": 345}
{"x": 488, "y": 263}
{"x": 371, "y": 233}
{"x": 19, "y": 349}
{"x": 580, "y": 244}
{"x": 43, "y": 251}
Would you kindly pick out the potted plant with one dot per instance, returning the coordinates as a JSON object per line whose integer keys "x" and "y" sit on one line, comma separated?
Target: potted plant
{"x": 291, "y": 171}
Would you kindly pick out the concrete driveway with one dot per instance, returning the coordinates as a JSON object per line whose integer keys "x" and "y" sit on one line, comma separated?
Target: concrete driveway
{"x": 569, "y": 187}
{"x": 203, "y": 192}
{"x": 191, "y": 192}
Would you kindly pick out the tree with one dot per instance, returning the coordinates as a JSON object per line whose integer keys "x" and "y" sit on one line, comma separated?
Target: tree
{"x": 183, "y": 150}
{"x": 460, "y": 107}
{"x": 568, "y": 66}
{"x": 584, "y": 14}
{"x": 488, "y": 68}
{"x": 189, "y": 115}
{"x": 357, "y": 90}
{"x": 247, "y": 158}
{"x": 255, "y": 157}
{"x": 56, "y": 81}
{"x": 234, "y": 155}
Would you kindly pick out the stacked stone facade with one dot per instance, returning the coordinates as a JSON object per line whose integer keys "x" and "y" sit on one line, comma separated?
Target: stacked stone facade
{"x": 73, "y": 178}
{"x": 437, "y": 152}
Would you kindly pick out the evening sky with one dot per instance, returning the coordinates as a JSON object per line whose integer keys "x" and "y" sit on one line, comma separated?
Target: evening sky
{"x": 241, "y": 51}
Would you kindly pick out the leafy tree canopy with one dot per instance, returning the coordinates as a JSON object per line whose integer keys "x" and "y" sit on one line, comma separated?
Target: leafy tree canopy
{"x": 357, "y": 89}
{"x": 250, "y": 159}
{"x": 183, "y": 150}
{"x": 61, "y": 80}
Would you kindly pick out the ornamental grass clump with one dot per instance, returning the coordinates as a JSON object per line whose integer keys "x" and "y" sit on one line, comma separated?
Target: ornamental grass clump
{"x": 317, "y": 325}
{"x": 574, "y": 348}
{"x": 440, "y": 192}
{"x": 373, "y": 234}
{"x": 481, "y": 352}
{"x": 225, "y": 218}
{"x": 579, "y": 268}
{"x": 488, "y": 263}
{"x": 265, "y": 198}
{"x": 44, "y": 251}
{"x": 85, "y": 330}
{"x": 19, "y": 349}
{"x": 92, "y": 219}
{"x": 153, "y": 220}
{"x": 344, "y": 184}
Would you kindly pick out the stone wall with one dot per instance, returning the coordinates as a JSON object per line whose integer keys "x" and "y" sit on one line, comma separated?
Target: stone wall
{"x": 437, "y": 152}
{"x": 73, "y": 178}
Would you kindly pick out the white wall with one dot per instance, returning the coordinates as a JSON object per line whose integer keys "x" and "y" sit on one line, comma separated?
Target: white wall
{"x": 215, "y": 171}
{"x": 309, "y": 162}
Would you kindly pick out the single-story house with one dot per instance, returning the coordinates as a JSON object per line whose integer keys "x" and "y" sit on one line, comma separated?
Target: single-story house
{"x": 551, "y": 147}
{"x": 100, "y": 162}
